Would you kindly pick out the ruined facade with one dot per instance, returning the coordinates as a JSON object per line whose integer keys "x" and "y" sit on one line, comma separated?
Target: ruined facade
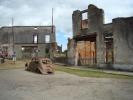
{"x": 96, "y": 43}
{"x": 28, "y": 41}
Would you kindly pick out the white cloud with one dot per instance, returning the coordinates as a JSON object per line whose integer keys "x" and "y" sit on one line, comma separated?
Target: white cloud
{"x": 38, "y": 12}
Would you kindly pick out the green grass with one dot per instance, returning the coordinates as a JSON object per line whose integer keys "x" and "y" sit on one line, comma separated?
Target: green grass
{"x": 90, "y": 73}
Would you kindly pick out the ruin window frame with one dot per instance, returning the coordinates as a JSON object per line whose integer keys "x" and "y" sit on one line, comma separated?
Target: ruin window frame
{"x": 35, "y": 38}
{"x": 47, "y": 38}
{"x": 84, "y": 15}
{"x": 84, "y": 18}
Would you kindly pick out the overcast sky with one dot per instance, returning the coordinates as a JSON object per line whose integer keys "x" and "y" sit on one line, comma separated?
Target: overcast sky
{"x": 38, "y": 12}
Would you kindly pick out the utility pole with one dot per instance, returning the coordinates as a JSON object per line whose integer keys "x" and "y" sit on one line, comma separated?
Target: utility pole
{"x": 52, "y": 31}
{"x": 13, "y": 34}
{"x": 52, "y": 20}
{"x": 14, "y": 53}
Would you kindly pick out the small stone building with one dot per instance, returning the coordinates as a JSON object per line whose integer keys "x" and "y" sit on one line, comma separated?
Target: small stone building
{"x": 104, "y": 45}
{"x": 28, "y": 41}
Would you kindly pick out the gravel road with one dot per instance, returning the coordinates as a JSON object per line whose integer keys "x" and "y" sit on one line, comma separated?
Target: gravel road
{"x": 22, "y": 85}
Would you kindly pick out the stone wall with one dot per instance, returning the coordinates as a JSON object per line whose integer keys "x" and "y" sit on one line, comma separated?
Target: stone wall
{"x": 20, "y": 53}
{"x": 96, "y": 21}
{"x": 71, "y": 52}
{"x": 122, "y": 29}
{"x": 123, "y": 40}
{"x": 76, "y": 19}
{"x": 23, "y": 36}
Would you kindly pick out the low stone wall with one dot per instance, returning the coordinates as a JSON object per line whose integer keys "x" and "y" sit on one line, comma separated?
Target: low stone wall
{"x": 60, "y": 60}
{"x": 71, "y": 61}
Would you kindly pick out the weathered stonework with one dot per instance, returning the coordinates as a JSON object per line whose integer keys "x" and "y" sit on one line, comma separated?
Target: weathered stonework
{"x": 123, "y": 40}
{"x": 105, "y": 45}
{"x": 76, "y": 18}
{"x": 23, "y": 38}
{"x": 71, "y": 53}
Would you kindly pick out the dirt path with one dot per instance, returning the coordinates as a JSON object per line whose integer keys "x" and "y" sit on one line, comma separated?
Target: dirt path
{"x": 9, "y": 64}
{"x": 22, "y": 85}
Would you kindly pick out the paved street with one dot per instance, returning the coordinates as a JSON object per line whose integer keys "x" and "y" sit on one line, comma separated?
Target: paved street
{"x": 22, "y": 85}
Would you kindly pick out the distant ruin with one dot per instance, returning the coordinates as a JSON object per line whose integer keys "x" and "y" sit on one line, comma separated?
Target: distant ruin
{"x": 28, "y": 41}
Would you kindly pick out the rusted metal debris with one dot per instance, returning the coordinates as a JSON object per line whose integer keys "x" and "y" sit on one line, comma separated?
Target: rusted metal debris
{"x": 40, "y": 65}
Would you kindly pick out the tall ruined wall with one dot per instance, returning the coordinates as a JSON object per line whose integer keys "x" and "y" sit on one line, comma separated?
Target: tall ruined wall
{"x": 71, "y": 52}
{"x": 5, "y": 35}
{"x": 76, "y": 19}
{"x": 28, "y": 33}
{"x": 108, "y": 28}
{"x": 6, "y": 38}
{"x": 85, "y": 24}
{"x": 123, "y": 40}
{"x": 95, "y": 18}
{"x": 95, "y": 26}
{"x": 24, "y": 34}
{"x": 95, "y": 21}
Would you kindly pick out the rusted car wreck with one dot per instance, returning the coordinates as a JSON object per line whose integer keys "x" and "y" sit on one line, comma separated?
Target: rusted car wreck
{"x": 40, "y": 65}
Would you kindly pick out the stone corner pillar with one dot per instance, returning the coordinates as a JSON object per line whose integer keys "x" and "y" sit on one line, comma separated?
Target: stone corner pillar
{"x": 76, "y": 21}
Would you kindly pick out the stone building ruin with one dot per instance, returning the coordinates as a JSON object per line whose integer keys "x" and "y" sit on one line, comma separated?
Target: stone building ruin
{"x": 28, "y": 41}
{"x": 96, "y": 43}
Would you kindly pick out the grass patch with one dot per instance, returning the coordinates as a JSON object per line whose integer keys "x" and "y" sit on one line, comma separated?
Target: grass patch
{"x": 90, "y": 73}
